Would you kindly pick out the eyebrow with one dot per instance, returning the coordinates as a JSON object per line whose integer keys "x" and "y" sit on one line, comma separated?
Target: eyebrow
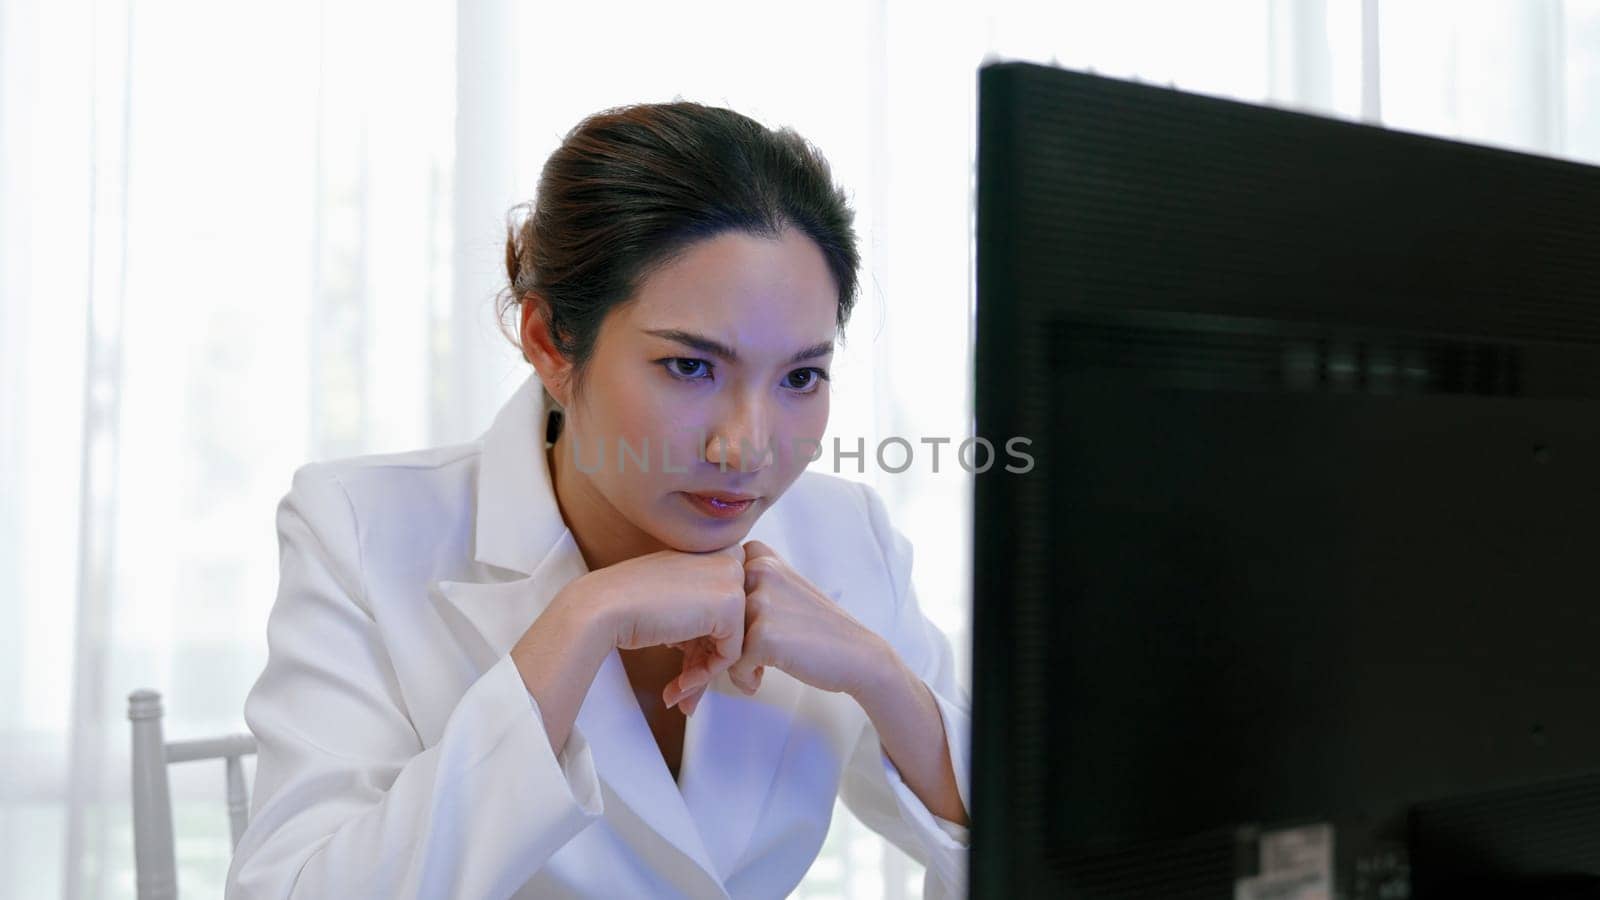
{"x": 717, "y": 348}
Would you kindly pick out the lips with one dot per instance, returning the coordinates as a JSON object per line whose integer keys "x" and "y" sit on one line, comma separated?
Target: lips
{"x": 723, "y": 496}
{"x": 721, "y": 505}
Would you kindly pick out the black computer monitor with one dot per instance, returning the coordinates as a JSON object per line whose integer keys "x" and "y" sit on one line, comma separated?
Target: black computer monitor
{"x": 1307, "y": 562}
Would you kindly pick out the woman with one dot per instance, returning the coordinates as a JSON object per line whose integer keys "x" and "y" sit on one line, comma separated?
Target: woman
{"x": 623, "y": 645}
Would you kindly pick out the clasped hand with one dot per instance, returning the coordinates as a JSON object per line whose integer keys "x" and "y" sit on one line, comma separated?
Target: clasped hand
{"x": 740, "y": 610}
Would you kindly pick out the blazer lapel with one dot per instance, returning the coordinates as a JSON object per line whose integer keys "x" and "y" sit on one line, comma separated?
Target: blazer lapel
{"x": 631, "y": 765}
{"x": 499, "y": 611}
{"x": 732, "y": 748}
{"x": 519, "y": 529}
{"x": 626, "y": 758}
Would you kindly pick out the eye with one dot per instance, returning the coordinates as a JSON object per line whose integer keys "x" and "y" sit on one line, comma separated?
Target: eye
{"x": 805, "y": 381}
{"x": 686, "y": 368}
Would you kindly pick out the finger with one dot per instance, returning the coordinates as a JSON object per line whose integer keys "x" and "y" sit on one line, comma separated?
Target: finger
{"x": 694, "y": 677}
{"x": 690, "y": 679}
{"x": 755, "y": 678}
{"x": 748, "y": 682}
{"x": 691, "y": 702}
{"x": 674, "y": 696}
{"x": 696, "y": 672}
{"x": 736, "y": 551}
{"x": 727, "y": 637}
{"x": 675, "y": 691}
{"x": 759, "y": 560}
{"x": 756, "y": 549}
{"x": 744, "y": 673}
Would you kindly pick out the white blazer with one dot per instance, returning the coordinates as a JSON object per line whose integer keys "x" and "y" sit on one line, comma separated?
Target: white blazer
{"x": 400, "y": 755}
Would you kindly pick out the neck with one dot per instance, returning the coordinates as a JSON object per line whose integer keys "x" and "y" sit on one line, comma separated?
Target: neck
{"x": 604, "y": 535}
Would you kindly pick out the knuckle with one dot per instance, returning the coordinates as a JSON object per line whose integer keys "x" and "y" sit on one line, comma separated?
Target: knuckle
{"x": 757, "y": 634}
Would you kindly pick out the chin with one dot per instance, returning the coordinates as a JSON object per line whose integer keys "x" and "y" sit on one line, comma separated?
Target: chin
{"x": 693, "y": 537}
{"x": 704, "y": 541}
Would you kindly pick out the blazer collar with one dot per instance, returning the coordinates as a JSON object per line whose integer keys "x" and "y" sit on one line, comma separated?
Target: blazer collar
{"x": 518, "y": 522}
{"x": 724, "y": 776}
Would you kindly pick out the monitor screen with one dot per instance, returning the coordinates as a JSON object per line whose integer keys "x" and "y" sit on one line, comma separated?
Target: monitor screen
{"x": 1299, "y": 592}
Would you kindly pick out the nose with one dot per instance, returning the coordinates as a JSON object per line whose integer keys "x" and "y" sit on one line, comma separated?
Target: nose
{"x": 742, "y": 438}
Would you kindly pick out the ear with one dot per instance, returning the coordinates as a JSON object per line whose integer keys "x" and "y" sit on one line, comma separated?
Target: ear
{"x": 554, "y": 369}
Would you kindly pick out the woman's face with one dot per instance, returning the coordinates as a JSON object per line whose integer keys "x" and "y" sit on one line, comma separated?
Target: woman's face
{"x": 711, "y": 383}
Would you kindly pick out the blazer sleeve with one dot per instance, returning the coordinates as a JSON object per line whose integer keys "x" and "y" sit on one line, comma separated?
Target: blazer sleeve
{"x": 347, "y": 802}
{"x": 872, "y": 788}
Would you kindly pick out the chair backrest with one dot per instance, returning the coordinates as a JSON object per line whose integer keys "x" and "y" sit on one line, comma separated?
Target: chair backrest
{"x": 155, "y": 862}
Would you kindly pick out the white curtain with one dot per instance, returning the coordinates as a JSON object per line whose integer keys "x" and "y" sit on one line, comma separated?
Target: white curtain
{"x": 237, "y": 237}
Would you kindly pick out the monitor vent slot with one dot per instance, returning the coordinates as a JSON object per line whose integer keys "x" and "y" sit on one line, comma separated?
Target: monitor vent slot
{"x": 1218, "y": 359}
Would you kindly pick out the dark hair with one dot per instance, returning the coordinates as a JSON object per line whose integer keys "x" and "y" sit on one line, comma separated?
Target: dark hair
{"x": 631, "y": 188}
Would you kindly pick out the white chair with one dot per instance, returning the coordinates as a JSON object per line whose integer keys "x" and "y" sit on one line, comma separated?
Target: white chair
{"x": 155, "y": 862}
